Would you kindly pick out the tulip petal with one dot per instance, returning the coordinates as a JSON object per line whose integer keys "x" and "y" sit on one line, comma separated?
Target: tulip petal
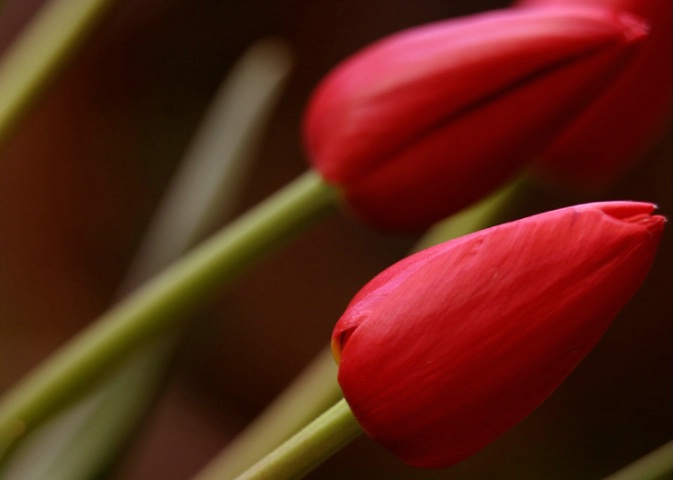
{"x": 421, "y": 124}
{"x": 458, "y": 343}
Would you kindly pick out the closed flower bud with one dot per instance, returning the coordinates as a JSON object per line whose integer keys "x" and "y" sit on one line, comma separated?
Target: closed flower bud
{"x": 447, "y": 349}
{"x": 620, "y": 125}
{"x": 424, "y": 122}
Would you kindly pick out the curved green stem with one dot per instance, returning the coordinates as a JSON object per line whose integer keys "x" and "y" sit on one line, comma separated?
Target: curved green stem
{"x": 40, "y": 51}
{"x": 309, "y": 448}
{"x": 161, "y": 303}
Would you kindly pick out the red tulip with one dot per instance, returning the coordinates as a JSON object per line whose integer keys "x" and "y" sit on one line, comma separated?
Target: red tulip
{"x": 424, "y": 122}
{"x": 622, "y": 123}
{"x": 449, "y": 348}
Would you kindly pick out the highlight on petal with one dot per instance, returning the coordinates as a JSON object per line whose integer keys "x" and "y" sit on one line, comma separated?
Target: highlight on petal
{"x": 426, "y": 121}
{"x": 452, "y": 346}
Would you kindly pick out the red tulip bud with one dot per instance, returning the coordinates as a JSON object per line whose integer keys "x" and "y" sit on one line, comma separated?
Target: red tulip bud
{"x": 623, "y": 122}
{"x": 447, "y": 349}
{"x": 424, "y": 122}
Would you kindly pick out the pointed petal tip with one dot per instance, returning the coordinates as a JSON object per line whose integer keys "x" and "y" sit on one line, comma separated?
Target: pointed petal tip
{"x": 636, "y": 213}
{"x": 622, "y": 209}
{"x": 632, "y": 27}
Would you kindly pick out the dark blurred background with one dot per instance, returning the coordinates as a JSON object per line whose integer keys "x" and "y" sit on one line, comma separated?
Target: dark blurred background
{"x": 80, "y": 180}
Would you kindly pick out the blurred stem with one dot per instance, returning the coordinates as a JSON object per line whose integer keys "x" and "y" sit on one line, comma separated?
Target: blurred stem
{"x": 483, "y": 214}
{"x": 81, "y": 441}
{"x": 161, "y": 303}
{"x": 309, "y": 395}
{"x": 316, "y": 387}
{"x": 40, "y": 51}
{"x": 657, "y": 465}
{"x": 307, "y": 449}
{"x": 202, "y": 193}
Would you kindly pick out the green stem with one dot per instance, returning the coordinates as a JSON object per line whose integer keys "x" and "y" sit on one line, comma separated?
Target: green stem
{"x": 309, "y": 448}
{"x": 161, "y": 303}
{"x": 40, "y": 51}
{"x": 657, "y": 465}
